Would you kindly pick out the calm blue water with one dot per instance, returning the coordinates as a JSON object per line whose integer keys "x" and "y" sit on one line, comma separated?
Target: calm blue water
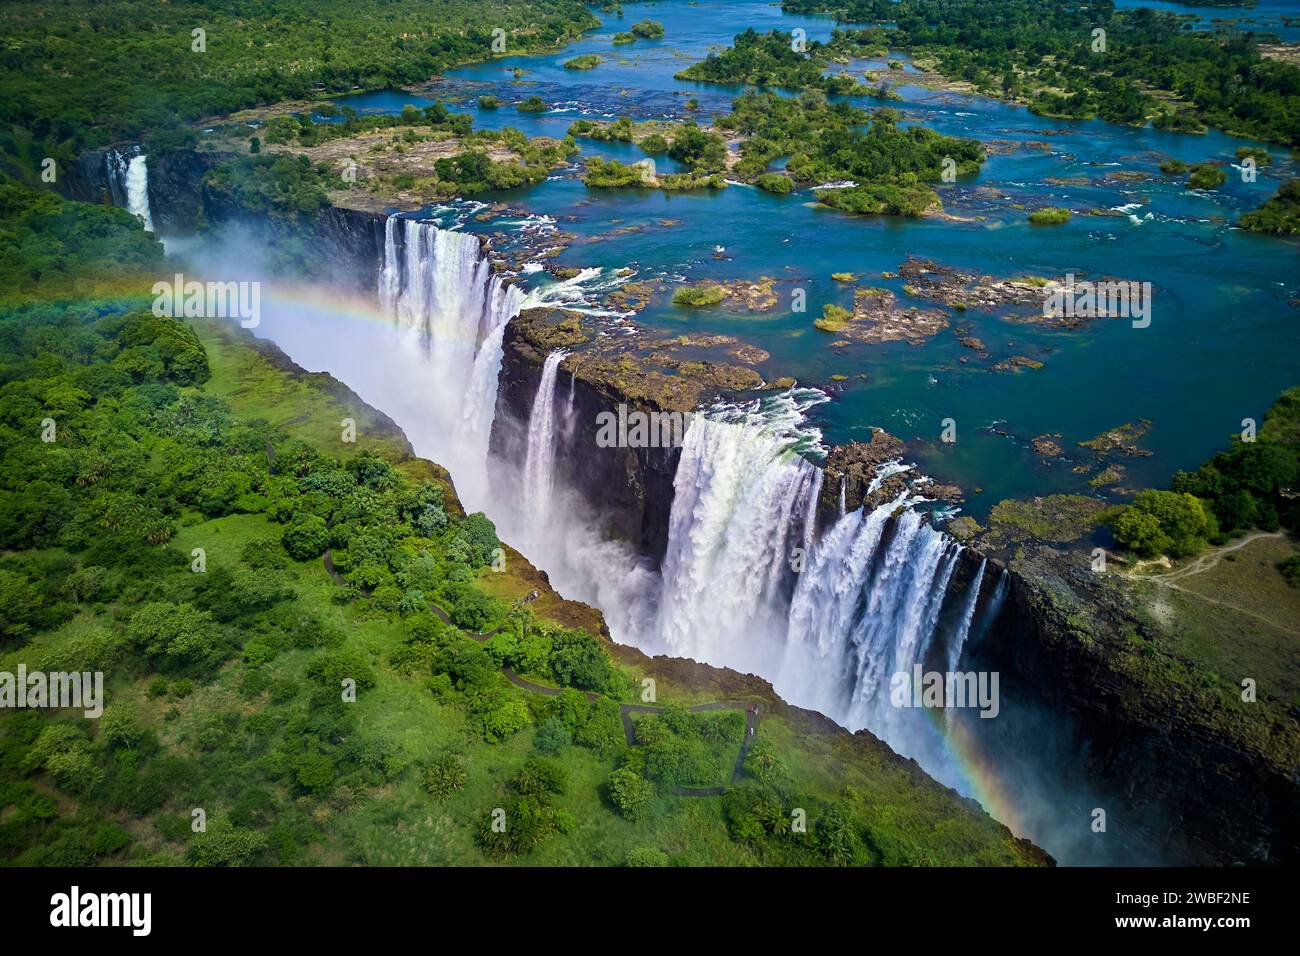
{"x": 1265, "y": 17}
{"x": 1221, "y": 345}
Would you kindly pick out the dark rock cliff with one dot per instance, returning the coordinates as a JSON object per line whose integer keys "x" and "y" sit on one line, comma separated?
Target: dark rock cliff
{"x": 1196, "y": 789}
{"x": 344, "y": 245}
{"x": 629, "y": 488}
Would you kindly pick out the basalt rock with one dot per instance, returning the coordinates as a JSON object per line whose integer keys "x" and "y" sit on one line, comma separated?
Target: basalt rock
{"x": 1192, "y": 788}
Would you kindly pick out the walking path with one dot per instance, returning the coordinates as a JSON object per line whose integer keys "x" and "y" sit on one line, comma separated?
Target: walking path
{"x": 625, "y": 710}
{"x": 1207, "y": 562}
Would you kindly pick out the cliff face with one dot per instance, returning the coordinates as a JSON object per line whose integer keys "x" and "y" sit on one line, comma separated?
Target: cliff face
{"x": 1196, "y": 787}
{"x": 345, "y": 245}
{"x": 175, "y": 185}
{"x": 631, "y": 489}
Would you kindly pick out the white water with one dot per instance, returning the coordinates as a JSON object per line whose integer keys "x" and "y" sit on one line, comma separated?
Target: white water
{"x": 137, "y": 190}
{"x": 128, "y": 180}
{"x": 865, "y": 602}
{"x": 438, "y": 288}
{"x": 743, "y": 583}
{"x": 743, "y": 502}
{"x": 539, "y": 464}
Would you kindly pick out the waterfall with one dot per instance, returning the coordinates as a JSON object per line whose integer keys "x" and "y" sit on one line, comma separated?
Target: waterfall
{"x": 539, "y": 466}
{"x": 958, "y": 641}
{"x": 865, "y": 602}
{"x": 128, "y": 182}
{"x": 437, "y": 286}
{"x": 743, "y": 500}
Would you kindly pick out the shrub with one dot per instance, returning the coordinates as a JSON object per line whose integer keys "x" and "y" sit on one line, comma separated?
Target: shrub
{"x": 647, "y": 856}
{"x": 1205, "y": 176}
{"x": 698, "y": 296}
{"x": 630, "y": 793}
{"x": 650, "y": 29}
{"x": 654, "y": 144}
{"x": 445, "y": 775}
{"x": 551, "y": 737}
{"x": 587, "y": 61}
{"x": 1049, "y": 216}
{"x": 774, "y": 183}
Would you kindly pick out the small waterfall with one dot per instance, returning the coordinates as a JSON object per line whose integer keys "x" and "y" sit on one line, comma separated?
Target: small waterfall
{"x": 539, "y": 466}
{"x": 128, "y": 182}
{"x": 958, "y": 642}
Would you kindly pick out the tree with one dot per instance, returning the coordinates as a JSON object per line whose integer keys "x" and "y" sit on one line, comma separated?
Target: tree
{"x": 305, "y": 536}
{"x": 551, "y": 737}
{"x": 630, "y": 793}
{"x": 1140, "y": 532}
{"x": 174, "y": 633}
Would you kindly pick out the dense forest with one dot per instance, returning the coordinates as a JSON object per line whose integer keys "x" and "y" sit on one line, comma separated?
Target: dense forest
{"x": 83, "y": 73}
{"x": 1048, "y": 55}
{"x": 1243, "y": 488}
{"x": 826, "y": 142}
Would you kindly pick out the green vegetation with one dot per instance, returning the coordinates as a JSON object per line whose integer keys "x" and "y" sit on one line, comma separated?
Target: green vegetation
{"x": 587, "y": 61}
{"x": 703, "y": 151}
{"x": 534, "y": 104}
{"x": 1279, "y": 215}
{"x": 621, "y": 39}
{"x": 287, "y": 186}
{"x": 94, "y": 72}
{"x": 699, "y": 296}
{"x": 303, "y": 129}
{"x": 1174, "y": 167}
{"x": 1247, "y": 486}
{"x": 1257, "y": 153}
{"x": 474, "y": 171}
{"x": 1205, "y": 176}
{"x": 648, "y": 29}
{"x": 774, "y": 183}
{"x": 654, "y": 144}
{"x": 230, "y": 683}
{"x": 489, "y": 102}
{"x": 769, "y": 59}
{"x": 1164, "y": 522}
{"x": 51, "y": 247}
{"x": 824, "y": 143}
{"x": 1049, "y": 216}
{"x": 676, "y": 748}
{"x": 611, "y": 173}
{"x": 1043, "y": 55}
{"x": 834, "y": 318}
{"x": 618, "y": 131}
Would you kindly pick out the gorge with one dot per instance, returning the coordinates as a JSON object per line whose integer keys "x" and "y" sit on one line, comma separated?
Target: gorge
{"x": 759, "y": 544}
